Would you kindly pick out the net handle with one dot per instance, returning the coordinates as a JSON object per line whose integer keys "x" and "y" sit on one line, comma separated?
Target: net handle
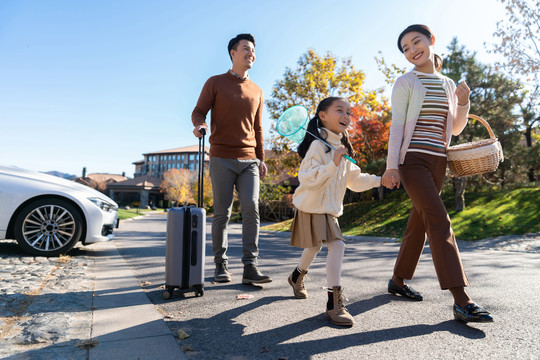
{"x": 483, "y": 122}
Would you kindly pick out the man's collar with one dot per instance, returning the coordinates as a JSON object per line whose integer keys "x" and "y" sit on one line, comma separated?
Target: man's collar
{"x": 238, "y": 76}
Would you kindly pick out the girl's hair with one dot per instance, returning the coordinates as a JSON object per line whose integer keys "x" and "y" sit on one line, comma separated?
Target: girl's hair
{"x": 314, "y": 126}
{"x": 422, "y": 29}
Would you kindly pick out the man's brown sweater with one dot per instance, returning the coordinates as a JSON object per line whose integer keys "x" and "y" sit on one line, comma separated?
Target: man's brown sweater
{"x": 236, "y": 117}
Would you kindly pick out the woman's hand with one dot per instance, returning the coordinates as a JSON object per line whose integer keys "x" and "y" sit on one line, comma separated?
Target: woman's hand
{"x": 391, "y": 178}
{"x": 462, "y": 93}
{"x": 338, "y": 154}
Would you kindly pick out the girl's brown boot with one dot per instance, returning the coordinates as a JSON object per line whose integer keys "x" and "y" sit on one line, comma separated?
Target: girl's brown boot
{"x": 296, "y": 280}
{"x": 336, "y": 312}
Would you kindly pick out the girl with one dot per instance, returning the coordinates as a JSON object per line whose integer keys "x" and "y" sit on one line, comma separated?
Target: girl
{"x": 324, "y": 177}
{"x": 427, "y": 109}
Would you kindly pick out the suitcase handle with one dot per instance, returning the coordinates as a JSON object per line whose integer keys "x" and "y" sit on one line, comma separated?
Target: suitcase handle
{"x": 200, "y": 182}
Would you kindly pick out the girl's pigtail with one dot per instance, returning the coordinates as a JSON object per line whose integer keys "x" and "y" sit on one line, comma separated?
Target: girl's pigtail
{"x": 345, "y": 141}
{"x": 313, "y": 127}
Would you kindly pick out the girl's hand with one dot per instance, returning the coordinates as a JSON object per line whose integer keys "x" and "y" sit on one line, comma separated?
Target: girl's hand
{"x": 391, "y": 178}
{"x": 462, "y": 93}
{"x": 338, "y": 154}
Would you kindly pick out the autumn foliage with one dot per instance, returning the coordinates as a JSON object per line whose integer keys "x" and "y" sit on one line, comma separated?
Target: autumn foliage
{"x": 180, "y": 186}
{"x": 370, "y": 132}
{"x": 177, "y": 185}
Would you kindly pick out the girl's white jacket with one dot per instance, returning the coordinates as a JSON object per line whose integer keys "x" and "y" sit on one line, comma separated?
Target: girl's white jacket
{"x": 323, "y": 184}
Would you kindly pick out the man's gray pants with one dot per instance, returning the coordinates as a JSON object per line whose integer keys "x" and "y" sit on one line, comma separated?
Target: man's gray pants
{"x": 226, "y": 174}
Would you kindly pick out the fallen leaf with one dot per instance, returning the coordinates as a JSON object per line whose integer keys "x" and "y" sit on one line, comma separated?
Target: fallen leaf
{"x": 264, "y": 349}
{"x": 182, "y": 334}
{"x": 244, "y": 297}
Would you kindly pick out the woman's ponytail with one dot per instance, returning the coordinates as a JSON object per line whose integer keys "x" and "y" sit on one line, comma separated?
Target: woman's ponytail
{"x": 438, "y": 63}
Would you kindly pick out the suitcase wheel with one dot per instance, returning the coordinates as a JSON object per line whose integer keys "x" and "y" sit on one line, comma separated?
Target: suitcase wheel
{"x": 199, "y": 290}
{"x": 168, "y": 293}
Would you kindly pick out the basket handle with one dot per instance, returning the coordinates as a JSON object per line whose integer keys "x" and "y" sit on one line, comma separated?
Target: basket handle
{"x": 483, "y": 122}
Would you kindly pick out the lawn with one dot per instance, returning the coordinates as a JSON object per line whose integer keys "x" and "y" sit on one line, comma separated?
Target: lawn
{"x": 126, "y": 214}
{"x": 487, "y": 214}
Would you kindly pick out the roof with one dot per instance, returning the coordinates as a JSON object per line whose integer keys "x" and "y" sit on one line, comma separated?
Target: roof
{"x": 185, "y": 149}
{"x": 145, "y": 182}
{"x": 106, "y": 177}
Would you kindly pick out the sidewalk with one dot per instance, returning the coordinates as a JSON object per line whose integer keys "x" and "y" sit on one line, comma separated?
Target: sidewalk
{"x": 88, "y": 306}
{"x": 125, "y": 325}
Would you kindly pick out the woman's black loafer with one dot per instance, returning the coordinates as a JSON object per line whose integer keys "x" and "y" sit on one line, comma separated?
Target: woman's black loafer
{"x": 471, "y": 313}
{"x": 406, "y": 291}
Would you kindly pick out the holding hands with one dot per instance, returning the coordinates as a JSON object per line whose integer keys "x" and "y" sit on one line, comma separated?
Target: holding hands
{"x": 391, "y": 178}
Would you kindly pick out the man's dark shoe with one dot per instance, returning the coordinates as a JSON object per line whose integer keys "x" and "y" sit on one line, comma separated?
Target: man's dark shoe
{"x": 253, "y": 276}
{"x": 406, "y": 291}
{"x": 471, "y": 313}
{"x": 221, "y": 274}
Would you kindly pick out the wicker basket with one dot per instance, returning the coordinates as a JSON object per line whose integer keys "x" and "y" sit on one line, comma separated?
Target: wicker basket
{"x": 476, "y": 157}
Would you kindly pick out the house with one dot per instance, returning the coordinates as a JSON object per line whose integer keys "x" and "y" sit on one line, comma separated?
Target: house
{"x": 99, "y": 181}
{"x": 144, "y": 189}
{"x": 158, "y": 162}
{"x": 141, "y": 191}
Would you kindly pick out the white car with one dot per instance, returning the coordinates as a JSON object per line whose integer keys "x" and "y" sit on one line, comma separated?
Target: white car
{"x": 48, "y": 215}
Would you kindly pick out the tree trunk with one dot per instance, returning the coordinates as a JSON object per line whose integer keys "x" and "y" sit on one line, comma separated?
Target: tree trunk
{"x": 459, "y": 192}
{"x": 528, "y": 139}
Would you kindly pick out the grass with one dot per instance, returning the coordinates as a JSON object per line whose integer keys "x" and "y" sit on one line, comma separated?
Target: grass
{"x": 488, "y": 214}
{"x": 514, "y": 212}
{"x": 126, "y": 214}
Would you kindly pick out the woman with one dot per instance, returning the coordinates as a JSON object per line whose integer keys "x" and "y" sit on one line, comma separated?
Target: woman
{"x": 427, "y": 109}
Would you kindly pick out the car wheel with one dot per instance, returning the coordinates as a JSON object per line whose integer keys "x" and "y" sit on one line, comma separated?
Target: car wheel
{"x": 48, "y": 227}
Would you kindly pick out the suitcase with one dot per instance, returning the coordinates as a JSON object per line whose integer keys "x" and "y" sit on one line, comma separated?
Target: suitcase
{"x": 185, "y": 246}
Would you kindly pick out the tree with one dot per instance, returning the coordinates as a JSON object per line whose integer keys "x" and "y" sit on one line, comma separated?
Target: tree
{"x": 520, "y": 38}
{"x": 316, "y": 78}
{"x": 208, "y": 197}
{"x": 493, "y": 97}
{"x": 177, "y": 185}
{"x": 530, "y": 118}
{"x": 520, "y": 46}
{"x": 390, "y": 71}
{"x": 371, "y": 130}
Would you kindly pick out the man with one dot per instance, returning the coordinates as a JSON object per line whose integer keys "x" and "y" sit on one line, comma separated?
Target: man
{"x": 236, "y": 155}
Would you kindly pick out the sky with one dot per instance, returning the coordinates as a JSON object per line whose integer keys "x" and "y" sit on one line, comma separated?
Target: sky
{"x": 99, "y": 83}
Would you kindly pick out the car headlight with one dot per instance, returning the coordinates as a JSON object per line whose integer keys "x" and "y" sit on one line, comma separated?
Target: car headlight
{"x": 103, "y": 205}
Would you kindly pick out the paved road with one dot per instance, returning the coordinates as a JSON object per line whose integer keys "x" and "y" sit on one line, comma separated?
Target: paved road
{"x": 274, "y": 325}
